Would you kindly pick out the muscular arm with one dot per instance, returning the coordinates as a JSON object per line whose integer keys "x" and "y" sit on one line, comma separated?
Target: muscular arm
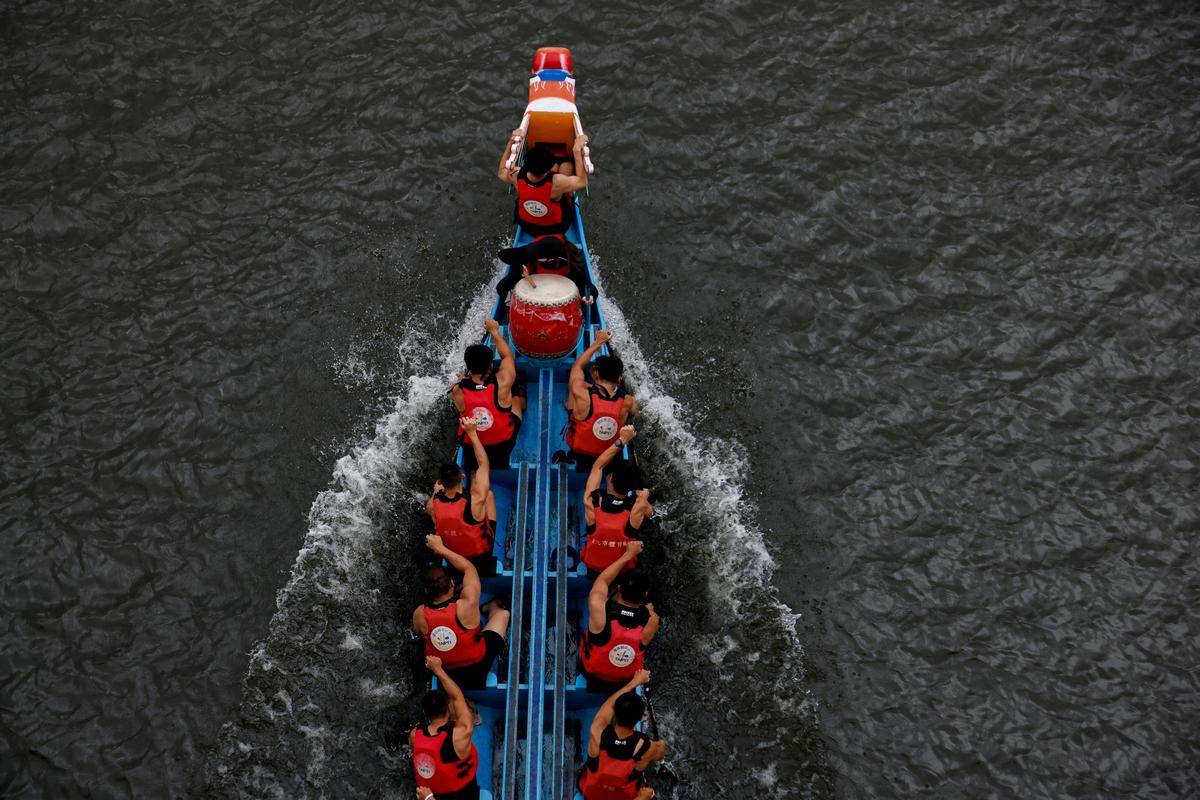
{"x": 481, "y": 483}
{"x": 505, "y": 174}
{"x": 598, "y": 596}
{"x": 464, "y": 719}
{"x": 604, "y": 459}
{"x": 468, "y": 607}
{"x": 565, "y": 184}
{"x": 508, "y": 364}
{"x": 642, "y": 510}
{"x": 605, "y": 715}
{"x": 651, "y": 629}
{"x": 577, "y": 381}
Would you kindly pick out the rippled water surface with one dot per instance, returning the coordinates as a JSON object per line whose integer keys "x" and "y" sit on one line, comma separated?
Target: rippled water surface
{"x": 909, "y": 293}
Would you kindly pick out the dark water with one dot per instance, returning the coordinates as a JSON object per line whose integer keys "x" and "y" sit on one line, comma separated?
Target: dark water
{"x": 909, "y": 293}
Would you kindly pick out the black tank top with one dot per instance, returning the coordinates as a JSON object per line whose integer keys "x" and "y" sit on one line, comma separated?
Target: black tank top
{"x": 620, "y": 615}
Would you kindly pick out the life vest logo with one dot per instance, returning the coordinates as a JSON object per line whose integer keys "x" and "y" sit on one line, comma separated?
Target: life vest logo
{"x": 535, "y": 209}
{"x": 425, "y": 765}
{"x": 443, "y": 638}
{"x": 605, "y": 428}
{"x": 483, "y": 418}
{"x": 621, "y": 656}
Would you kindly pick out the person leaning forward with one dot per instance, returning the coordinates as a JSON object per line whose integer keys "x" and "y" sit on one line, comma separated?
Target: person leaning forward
{"x": 599, "y": 409}
{"x": 618, "y": 753}
{"x": 445, "y": 759}
{"x": 619, "y": 627}
{"x": 451, "y": 622}
{"x": 466, "y": 522}
{"x": 615, "y": 515}
{"x": 487, "y": 395}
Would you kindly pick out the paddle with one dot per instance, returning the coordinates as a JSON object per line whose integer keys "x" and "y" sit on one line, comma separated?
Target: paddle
{"x": 663, "y": 769}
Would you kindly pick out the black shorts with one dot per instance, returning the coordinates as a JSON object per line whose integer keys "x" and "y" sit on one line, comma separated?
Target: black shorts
{"x": 466, "y": 793}
{"x": 598, "y": 686}
{"x": 485, "y": 565}
{"x": 474, "y": 676}
{"x": 497, "y": 453}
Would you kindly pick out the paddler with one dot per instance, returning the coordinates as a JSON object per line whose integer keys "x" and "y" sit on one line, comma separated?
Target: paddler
{"x": 599, "y": 409}
{"x": 544, "y": 188}
{"x": 619, "y": 628}
{"x": 486, "y": 394}
{"x": 451, "y": 621}
{"x": 545, "y": 255}
{"x": 614, "y": 515}
{"x": 466, "y": 522}
{"x": 445, "y": 759}
{"x": 618, "y": 753}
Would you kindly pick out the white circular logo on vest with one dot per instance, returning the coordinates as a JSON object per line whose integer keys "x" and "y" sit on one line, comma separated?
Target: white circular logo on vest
{"x": 535, "y": 209}
{"x": 621, "y": 656}
{"x": 483, "y": 418}
{"x": 443, "y": 638}
{"x": 424, "y": 764}
{"x": 605, "y": 428}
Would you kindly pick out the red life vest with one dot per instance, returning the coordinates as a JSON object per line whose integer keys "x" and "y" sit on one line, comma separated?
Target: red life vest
{"x": 592, "y": 436}
{"x": 535, "y": 209}
{"x": 607, "y": 538}
{"x": 465, "y": 538}
{"x": 436, "y": 764}
{"x": 614, "y": 777}
{"x": 621, "y": 657}
{"x": 551, "y": 266}
{"x": 496, "y": 424}
{"x": 449, "y": 640}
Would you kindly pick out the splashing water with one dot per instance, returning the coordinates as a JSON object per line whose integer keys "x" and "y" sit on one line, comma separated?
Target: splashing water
{"x": 332, "y": 662}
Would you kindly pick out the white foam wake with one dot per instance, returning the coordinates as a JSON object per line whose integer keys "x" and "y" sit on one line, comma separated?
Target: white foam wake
{"x": 717, "y": 468}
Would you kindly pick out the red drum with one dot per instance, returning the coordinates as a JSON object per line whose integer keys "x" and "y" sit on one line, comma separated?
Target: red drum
{"x": 545, "y": 319}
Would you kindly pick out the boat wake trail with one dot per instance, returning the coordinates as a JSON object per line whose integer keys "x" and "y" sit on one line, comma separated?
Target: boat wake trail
{"x": 319, "y": 692}
{"x": 726, "y": 637}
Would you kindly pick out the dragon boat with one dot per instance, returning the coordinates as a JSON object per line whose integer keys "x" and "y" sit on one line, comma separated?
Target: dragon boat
{"x": 534, "y": 716}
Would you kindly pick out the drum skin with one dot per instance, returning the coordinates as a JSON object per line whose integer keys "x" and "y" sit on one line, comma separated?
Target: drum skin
{"x": 545, "y": 321}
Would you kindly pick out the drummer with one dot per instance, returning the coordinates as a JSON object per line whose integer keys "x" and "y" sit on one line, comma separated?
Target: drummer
{"x": 597, "y": 411}
{"x": 544, "y": 203}
{"x": 552, "y": 255}
{"x": 488, "y": 395}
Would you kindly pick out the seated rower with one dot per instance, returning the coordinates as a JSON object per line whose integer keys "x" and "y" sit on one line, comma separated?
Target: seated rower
{"x": 545, "y": 255}
{"x": 445, "y": 759}
{"x": 488, "y": 396}
{"x": 596, "y": 411}
{"x": 619, "y": 628}
{"x": 544, "y": 203}
{"x": 613, "y": 516}
{"x": 618, "y": 753}
{"x": 465, "y": 522}
{"x": 451, "y": 623}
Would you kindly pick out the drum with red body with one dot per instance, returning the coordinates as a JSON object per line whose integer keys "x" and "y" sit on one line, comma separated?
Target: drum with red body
{"x": 545, "y": 319}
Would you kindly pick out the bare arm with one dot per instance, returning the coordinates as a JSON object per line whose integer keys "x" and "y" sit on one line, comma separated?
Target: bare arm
{"x": 565, "y": 184}
{"x": 655, "y": 752}
{"x": 651, "y": 629}
{"x": 464, "y": 719}
{"x": 481, "y": 483}
{"x": 508, "y": 364}
{"x": 598, "y": 596}
{"x": 505, "y": 174}
{"x": 576, "y": 380}
{"x": 605, "y": 715}
{"x": 597, "y": 474}
{"x": 468, "y": 609}
{"x": 642, "y": 509}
